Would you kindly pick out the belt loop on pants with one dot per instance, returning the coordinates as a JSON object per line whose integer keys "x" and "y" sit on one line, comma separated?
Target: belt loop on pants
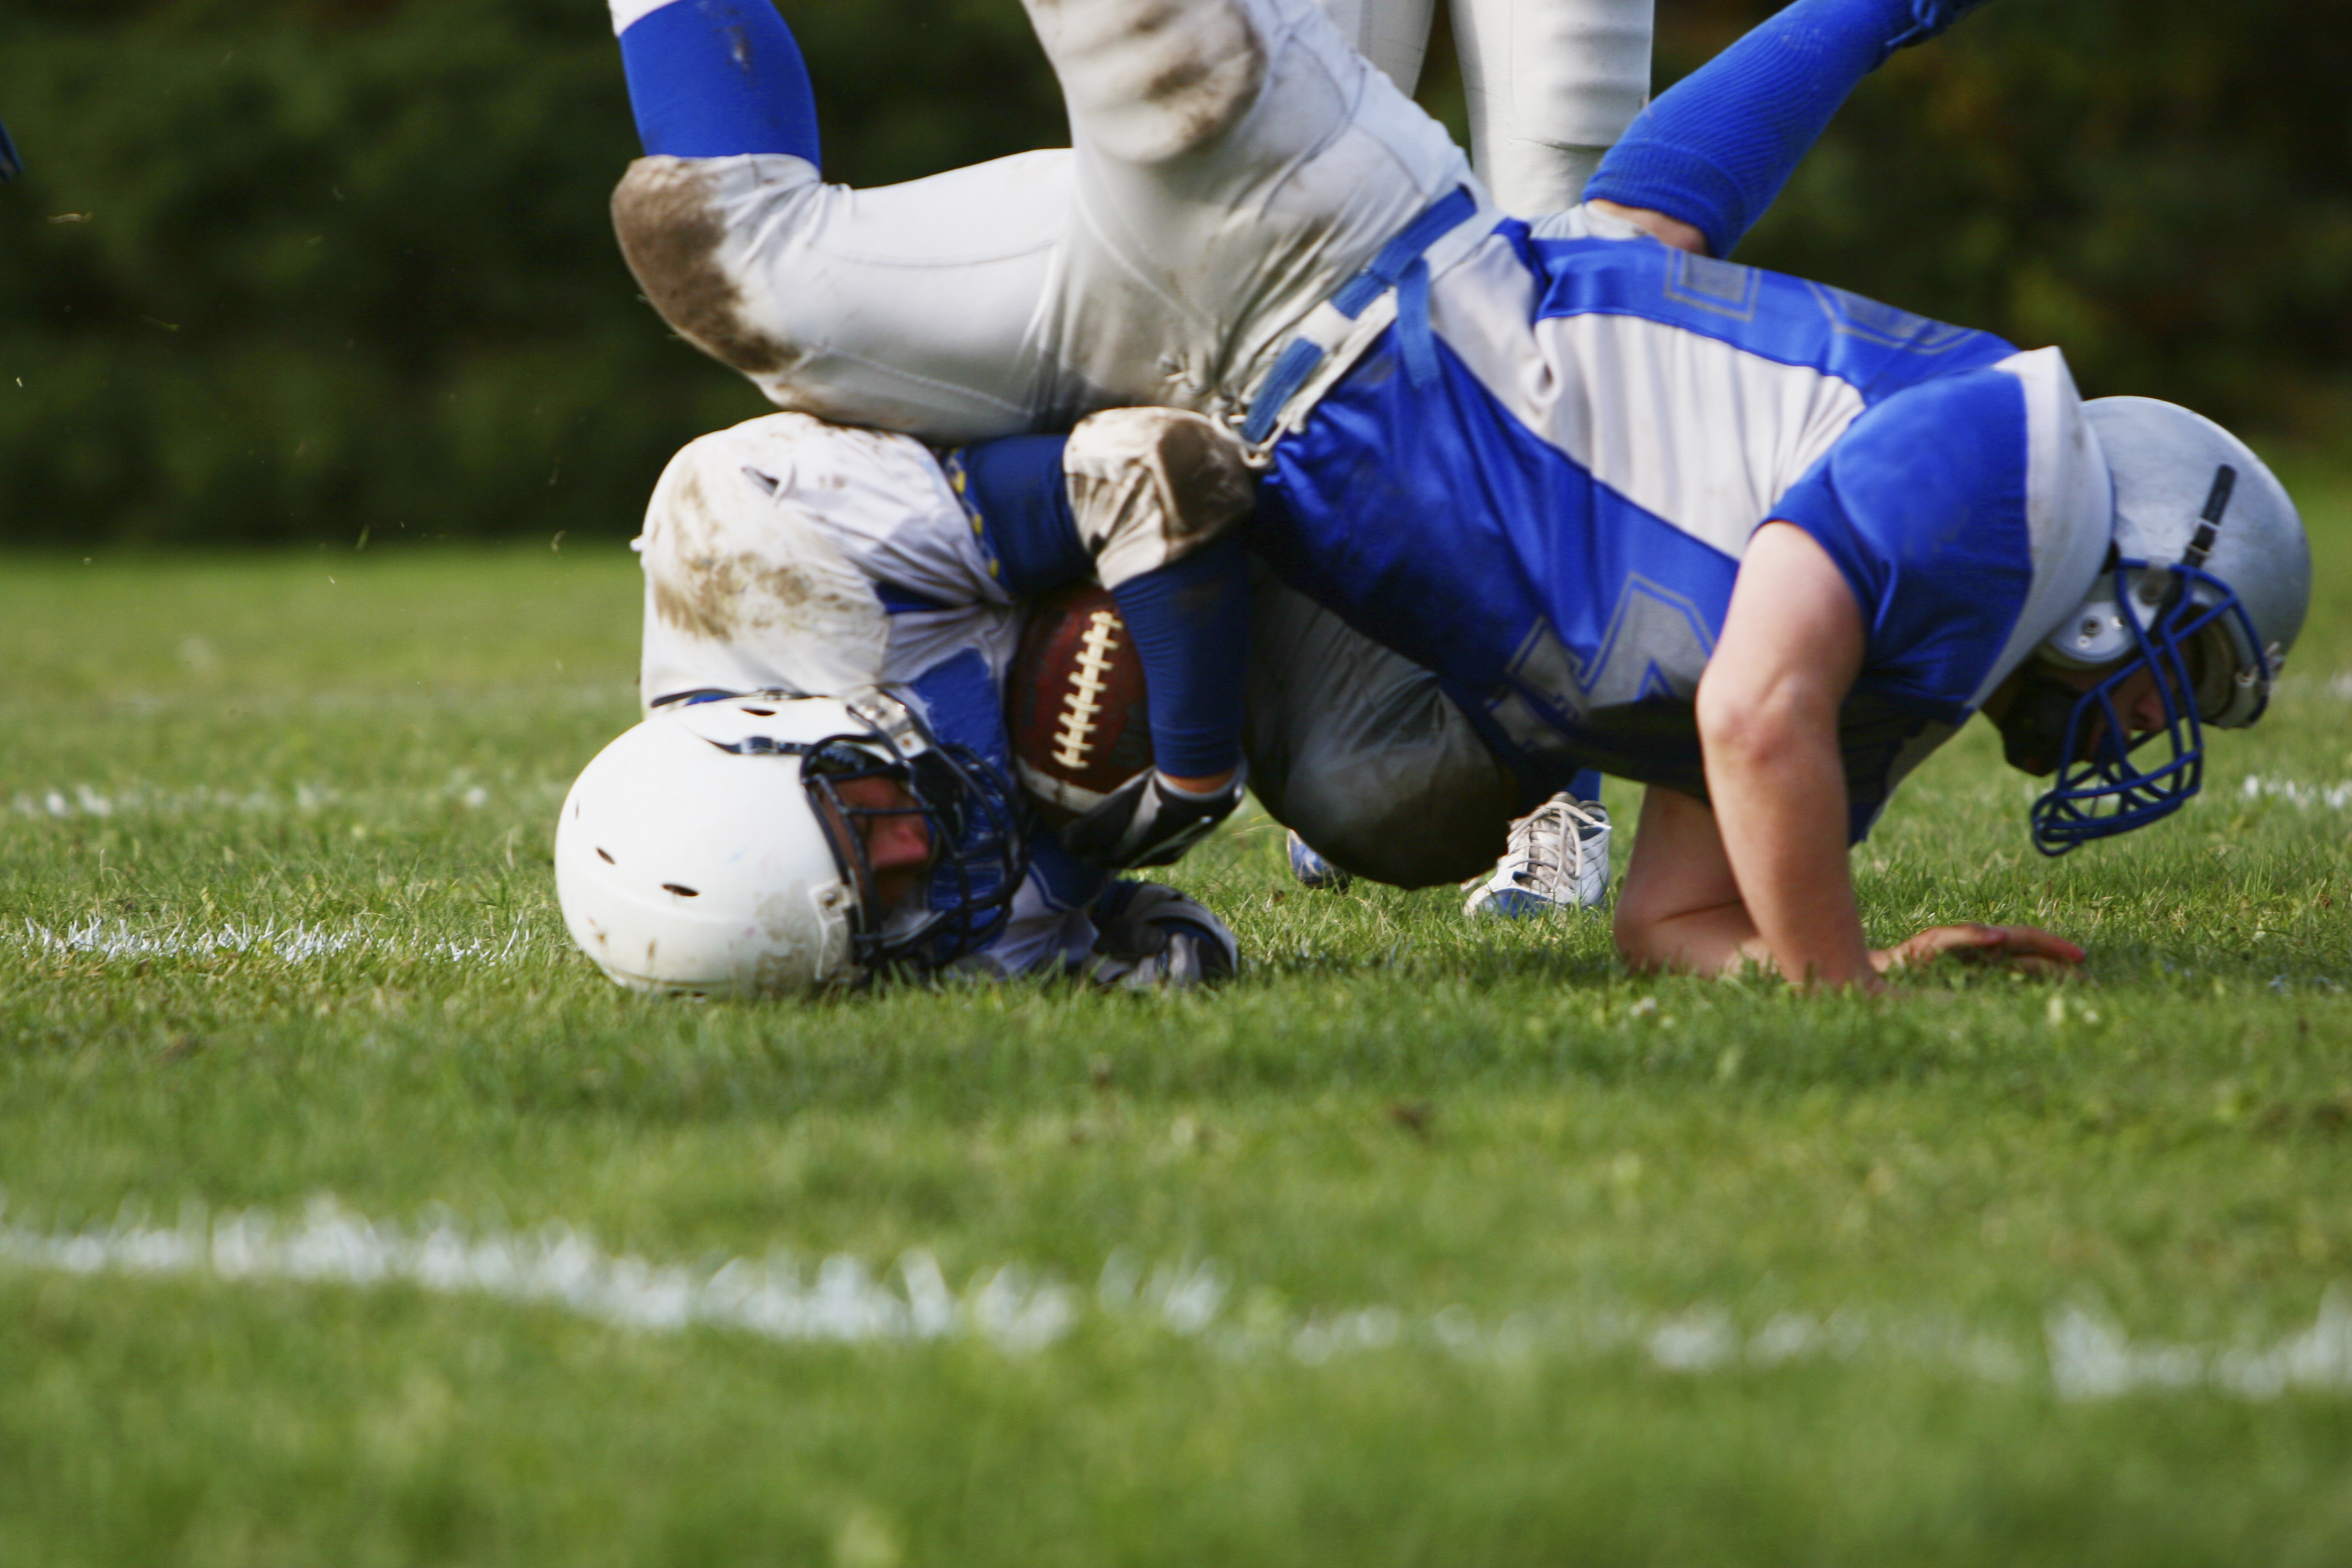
{"x": 1402, "y": 265}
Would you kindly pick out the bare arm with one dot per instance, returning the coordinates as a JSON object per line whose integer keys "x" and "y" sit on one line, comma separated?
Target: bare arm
{"x": 1680, "y": 907}
{"x": 1764, "y": 876}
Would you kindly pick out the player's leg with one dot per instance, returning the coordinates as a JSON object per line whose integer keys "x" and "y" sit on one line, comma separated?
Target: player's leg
{"x": 1551, "y": 85}
{"x": 910, "y": 308}
{"x": 1238, "y": 161}
{"x": 1360, "y": 751}
{"x": 1392, "y": 33}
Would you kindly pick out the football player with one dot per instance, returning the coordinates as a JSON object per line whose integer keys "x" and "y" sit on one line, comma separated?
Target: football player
{"x": 752, "y": 835}
{"x": 1562, "y": 468}
{"x": 1389, "y": 325}
{"x": 1763, "y": 545}
{"x": 888, "y": 815}
{"x": 1020, "y": 293}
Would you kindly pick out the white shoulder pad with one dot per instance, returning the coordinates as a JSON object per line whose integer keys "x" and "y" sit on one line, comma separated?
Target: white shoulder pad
{"x": 2070, "y": 506}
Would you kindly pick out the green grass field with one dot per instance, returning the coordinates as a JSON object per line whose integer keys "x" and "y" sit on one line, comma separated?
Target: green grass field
{"x": 351, "y": 1217}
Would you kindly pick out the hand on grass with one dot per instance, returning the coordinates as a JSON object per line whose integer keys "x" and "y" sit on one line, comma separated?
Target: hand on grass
{"x": 2026, "y": 948}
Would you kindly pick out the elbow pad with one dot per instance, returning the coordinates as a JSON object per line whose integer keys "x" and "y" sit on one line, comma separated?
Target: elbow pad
{"x": 1150, "y": 486}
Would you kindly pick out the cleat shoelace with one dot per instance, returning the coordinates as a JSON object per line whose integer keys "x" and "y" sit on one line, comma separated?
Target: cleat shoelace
{"x": 1547, "y": 862}
{"x": 1549, "y": 838}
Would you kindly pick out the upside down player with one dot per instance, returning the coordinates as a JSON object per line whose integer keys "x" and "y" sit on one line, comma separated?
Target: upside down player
{"x": 917, "y": 600}
{"x": 1025, "y": 293}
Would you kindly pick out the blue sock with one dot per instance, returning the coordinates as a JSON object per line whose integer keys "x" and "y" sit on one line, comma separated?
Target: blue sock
{"x": 711, "y": 78}
{"x": 1190, "y": 621}
{"x": 10, "y": 164}
{"x": 1716, "y": 147}
{"x": 1191, "y": 624}
{"x": 1586, "y": 785}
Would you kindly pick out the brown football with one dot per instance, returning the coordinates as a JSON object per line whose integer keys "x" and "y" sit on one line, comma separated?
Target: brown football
{"x": 1074, "y": 704}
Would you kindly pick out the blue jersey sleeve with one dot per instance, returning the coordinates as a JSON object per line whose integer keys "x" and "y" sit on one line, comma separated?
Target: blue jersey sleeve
{"x": 1922, "y": 504}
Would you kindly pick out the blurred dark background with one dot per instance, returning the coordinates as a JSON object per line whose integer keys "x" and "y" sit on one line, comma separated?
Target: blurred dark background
{"x": 286, "y": 271}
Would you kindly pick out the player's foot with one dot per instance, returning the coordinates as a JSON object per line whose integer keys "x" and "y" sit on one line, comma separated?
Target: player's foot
{"x": 1312, "y": 870}
{"x": 1557, "y": 858}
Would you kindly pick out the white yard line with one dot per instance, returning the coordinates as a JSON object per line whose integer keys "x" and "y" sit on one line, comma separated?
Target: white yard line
{"x": 65, "y": 802}
{"x": 298, "y": 943}
{"x": 2308, "y": 797}
{"x": 844, "y": 1299}
{"x": 839, "y": 1299}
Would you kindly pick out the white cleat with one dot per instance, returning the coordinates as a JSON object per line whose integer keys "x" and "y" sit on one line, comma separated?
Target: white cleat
{"x": 1557, "y": 858}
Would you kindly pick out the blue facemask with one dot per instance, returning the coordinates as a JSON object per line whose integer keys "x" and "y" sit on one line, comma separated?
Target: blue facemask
{"x": 2110, "y": 780}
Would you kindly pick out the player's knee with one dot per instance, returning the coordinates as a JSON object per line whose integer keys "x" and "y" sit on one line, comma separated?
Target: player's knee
{"x": 673, "y": 230}
{"x": 1150, "y": 486}
{"x": 1153, "y": 80}
{"x": 1406, "y": 838}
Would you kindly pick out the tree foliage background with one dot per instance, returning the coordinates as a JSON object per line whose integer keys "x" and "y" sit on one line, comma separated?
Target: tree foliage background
{"x": 290, "y": 270}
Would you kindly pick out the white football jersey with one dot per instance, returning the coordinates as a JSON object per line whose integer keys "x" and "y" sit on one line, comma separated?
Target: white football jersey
{"x": 787, "y": 554}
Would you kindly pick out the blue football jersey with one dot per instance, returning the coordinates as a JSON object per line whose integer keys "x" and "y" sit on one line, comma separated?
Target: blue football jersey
{"x": 1552, "y": 522}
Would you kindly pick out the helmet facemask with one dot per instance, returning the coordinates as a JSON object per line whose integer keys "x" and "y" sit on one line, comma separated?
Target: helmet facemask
{"x": 2206, "y": 585}
{"x": 2187, "y": 630}
{"x": 978, "y": 858}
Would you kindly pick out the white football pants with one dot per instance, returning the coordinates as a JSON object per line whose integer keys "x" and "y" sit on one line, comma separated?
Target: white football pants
{"x": 1233, "y": 162}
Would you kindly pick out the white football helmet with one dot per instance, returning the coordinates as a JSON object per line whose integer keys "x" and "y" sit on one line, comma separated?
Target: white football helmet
{"x": 2206, "y": 587}
{"x": 708, "y": 851}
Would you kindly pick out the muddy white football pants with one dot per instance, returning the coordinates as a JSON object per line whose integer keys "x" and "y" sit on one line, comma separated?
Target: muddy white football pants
{"x": 1165, "y": 258}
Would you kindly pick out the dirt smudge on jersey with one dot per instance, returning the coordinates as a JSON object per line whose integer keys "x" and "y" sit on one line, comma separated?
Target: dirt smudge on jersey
{"x": 1208, "y": 478}
{"x": 729, "y": 598}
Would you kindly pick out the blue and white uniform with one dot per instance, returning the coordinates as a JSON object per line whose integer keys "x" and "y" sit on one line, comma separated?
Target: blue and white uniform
{"x": 1235, "y": 162}
{"x": 1550, "y": 511}
{"x": 785, "y": 553}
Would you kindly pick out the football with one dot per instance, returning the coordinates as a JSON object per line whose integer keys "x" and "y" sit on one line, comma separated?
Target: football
{"x": 1074, "y": 704}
